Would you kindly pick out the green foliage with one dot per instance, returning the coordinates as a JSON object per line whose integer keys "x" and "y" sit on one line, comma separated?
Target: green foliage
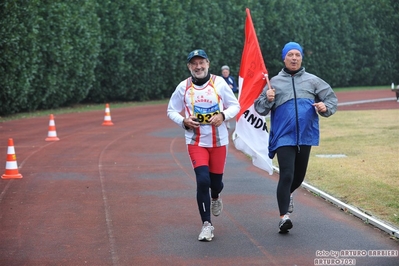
{"x": 49, "y": 52}
{"x": 57, "y": 53}
{"x": 17, "y": 65}
{"x": 67, "y": 58}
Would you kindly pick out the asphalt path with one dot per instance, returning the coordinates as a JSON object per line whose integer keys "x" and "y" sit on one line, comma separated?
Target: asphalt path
{"x": 125, "y": 195}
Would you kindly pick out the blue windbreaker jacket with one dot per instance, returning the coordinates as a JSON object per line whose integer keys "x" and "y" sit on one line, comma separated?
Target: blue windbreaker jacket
{"x": 294, "y": 120}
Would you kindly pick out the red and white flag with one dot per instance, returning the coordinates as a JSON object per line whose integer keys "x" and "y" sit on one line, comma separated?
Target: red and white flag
{"x": 251, "y": 136}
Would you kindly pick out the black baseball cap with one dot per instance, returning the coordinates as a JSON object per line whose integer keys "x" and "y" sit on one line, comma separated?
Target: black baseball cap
{"x": 198, "y": 52}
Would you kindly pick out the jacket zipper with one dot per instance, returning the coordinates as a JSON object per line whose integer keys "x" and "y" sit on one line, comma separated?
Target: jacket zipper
{"x": 296, "y": 115}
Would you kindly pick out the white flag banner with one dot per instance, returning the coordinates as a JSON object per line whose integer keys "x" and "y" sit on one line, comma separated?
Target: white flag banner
{"x": 251, "y": 136}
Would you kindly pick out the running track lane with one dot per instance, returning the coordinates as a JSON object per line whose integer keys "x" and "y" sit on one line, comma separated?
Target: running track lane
{"x": 125, "y": 195}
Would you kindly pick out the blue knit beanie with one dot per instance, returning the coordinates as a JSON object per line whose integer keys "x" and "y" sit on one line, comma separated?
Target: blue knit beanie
{"x": 290, "y": 46}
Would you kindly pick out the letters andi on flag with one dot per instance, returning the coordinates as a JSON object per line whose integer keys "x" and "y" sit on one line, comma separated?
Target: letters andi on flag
{"x": 251, "y": 136}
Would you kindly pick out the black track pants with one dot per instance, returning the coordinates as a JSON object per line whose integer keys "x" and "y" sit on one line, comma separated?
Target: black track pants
{"x": 293, "y": 162}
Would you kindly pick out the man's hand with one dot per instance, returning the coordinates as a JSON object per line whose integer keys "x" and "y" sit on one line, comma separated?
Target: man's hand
{"x": 270, "y": 93}
{"x": 216, "y": 120}
{"x": 320, "y": 107}
{"x": 191, "y": 122}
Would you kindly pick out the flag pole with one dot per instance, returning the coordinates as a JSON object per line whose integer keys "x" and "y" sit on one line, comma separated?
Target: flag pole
{"x": 267, "y": 80}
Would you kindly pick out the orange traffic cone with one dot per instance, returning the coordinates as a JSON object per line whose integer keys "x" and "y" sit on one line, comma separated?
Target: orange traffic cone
{"x": 107, "y": 117}
{"x": 11, "y": 164}
{"x": 52, "y": 133}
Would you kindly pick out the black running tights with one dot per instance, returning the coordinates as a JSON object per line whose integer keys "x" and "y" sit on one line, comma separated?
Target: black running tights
{"x": 206, "y": 181}
{"x": 292, "y": 162}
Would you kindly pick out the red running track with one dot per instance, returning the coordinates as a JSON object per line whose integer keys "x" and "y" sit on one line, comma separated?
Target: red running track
{"x": 125, "y": 195}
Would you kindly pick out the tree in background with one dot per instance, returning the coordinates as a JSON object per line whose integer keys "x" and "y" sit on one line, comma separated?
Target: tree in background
{"x": 18, "y": 32}
{"x": 57, "y": 53}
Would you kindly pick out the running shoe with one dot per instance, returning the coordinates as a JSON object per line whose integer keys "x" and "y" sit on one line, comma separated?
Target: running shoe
{"x": 291, "y": 206}
{"x": 216, "y": 206}
{"x": 206, "y": 232}
{"x": 285, "y": 224}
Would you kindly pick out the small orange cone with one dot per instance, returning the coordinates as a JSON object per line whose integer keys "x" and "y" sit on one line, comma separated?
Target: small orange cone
{"x": 52, "y": 133}
{"x": 11, "y": 164}
{"x": 107, "y": 117}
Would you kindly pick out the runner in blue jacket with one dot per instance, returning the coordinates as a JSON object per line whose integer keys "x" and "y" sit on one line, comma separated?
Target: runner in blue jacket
{"x": 295, "y": 98}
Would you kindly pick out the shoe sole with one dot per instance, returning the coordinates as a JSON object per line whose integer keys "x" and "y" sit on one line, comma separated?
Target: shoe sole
{"x": 204, "y": 239}
{"x": 285, "y": 227}
{"x": 217, "y": 214}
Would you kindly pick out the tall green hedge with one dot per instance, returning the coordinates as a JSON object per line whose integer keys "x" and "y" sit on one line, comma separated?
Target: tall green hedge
{"x": 49, "y": 50}
{"x": 57, "y": 53}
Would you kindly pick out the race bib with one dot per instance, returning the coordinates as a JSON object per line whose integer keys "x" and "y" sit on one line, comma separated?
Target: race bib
{"x": 204, "y": 114}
